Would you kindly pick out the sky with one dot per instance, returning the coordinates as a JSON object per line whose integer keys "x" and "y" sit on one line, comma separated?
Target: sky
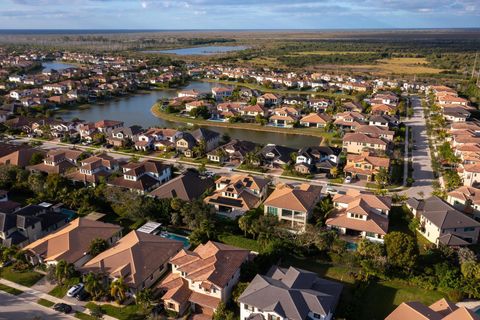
{"x": 238, "y": 14}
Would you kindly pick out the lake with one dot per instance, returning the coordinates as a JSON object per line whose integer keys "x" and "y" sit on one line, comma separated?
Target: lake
{"x": 55, "y": 65}
{"x": 200, "y": 51}
{"x": 135, "y": 110}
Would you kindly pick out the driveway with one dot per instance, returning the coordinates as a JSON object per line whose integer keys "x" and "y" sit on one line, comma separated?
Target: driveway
{"x": 422, "y": 163}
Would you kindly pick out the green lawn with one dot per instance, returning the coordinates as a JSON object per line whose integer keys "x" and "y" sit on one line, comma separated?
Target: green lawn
{"x": 10, "y": 290}
{"x": 83, "y": 316}
{"x": 61, "y": 290}
{"x": 45, "y": 303}
{"x": 130, "y": 312}
{"x": 322, "y": 268}
{"x": 240, "y": 241}
{"x": 26, "y": 278}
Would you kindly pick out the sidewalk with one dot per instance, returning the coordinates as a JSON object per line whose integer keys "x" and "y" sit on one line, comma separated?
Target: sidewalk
{"x": 32, "y": 295}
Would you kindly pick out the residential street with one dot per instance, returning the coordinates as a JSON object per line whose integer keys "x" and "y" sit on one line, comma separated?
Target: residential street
{"x": 422, "y": 165}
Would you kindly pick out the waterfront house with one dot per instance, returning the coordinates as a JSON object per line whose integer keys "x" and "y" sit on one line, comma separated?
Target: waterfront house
{"x": 284, "y": 117}
{"x": 233, "y": 151}
{"x": 220, "y": 93}
{"x": 275, "y": 156}
{"x": 251, "y": 112}
{"x": 315, "y": 120}
{"x": 189, "y": 140}
{"x": 317, "y": 159}
{"x": 292, "y": 293}
{"x": 365, "y": 166}
{"x": 360, "y": 214}
{"x": 292, "y": 205}
{"x": 354, "y": 142}
{"x": 71, "y": 243}
{"x": 131, "y": 258}
{"x": 202, "y": 278}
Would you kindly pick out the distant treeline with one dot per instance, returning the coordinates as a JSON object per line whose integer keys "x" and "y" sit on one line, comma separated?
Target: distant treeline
{"x": 350, "y": 58}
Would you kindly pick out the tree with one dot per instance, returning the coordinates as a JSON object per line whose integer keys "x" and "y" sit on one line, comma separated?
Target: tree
{"x": 94, "y": 285}
{"x": 118, "y": 290}
{"x": 238, "y": 290}
{"x": 222, "y": 313}
{"x": 204, "y": 233}
{"x": 144, "y": 298}
{"x": 97, "y": 246}
{"x": 64, "y": 271}
{"x": 334, "y": 172}
{"x": 402, "y": 250}
{"x": 36, "y": 159}
{"x": 382, "y": 177}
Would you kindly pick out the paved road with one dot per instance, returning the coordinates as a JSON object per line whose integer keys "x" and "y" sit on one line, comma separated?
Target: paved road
{"x": 422, "y": 164}
{"x": 15, "y": 307}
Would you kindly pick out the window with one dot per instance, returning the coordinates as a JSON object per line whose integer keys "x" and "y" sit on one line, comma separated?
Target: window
{"x": 469, "y": 229}
{"x": 272, "y": 210}
{"x": 317, "y": 316}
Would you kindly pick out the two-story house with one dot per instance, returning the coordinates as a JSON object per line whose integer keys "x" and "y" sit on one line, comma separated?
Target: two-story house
{"x": 121, "y": 136}
{"x": 355, "y": 142}
{"x": 275, "y": 156}
{"x": 317, "y": 159}
{"x": 292, "y": 205}
{"x": 157, "y": 139}
{"x": 235, "y": 195}
{"x": 360, "y": 214}
{"x": 57, "y": 161}
{"x": 365, "y": 166}
{"x": 466, "y": 199}
{"x": 208, "y": 139}
{"x": 350, "y": 120}
{"x": 269, "y": 100}
{"x": 220, "y": 93}
{"x": 93, "y": 168}
{"x": 143, "y": 176}
{"x": 202, "y": 278}
{"x": 233, "y": 151}
{"x": 284, "y": 117}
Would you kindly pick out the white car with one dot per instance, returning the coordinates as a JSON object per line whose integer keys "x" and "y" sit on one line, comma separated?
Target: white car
{"x": 348, "y": 180}
{"x": 73, "y": 291}
{"x": 331, "y": 190}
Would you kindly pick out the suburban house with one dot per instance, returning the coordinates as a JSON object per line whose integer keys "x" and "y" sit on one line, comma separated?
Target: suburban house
{"x": 269, "y": 100}
{"x": 143, "y": 176}
{"x": 470, "y": 174}
{"x": 284, "y": 117}
{"x": 185, "y": 144}
{"x": 360, "y": 214}
{"x": 17, "y": 155}
{"x": 202, "y": 278}
{"x": 441, "y": 223}
{"x": 354, "y": 142}
{"x": 120, "y": 136}
{"x": 188, "y": 186}
{"x": 381, "y": 109}
{"x": 93, "y": 168}
{"x": 24, "y": 225}
{"x": 317, "y": 159}
{"x": 350, "y": 120}
{"x": 157, "y": 139}
{"x": 315, "y": 120}
{"x": 292, "y": 293}
{"x": 71, "y": 243}
{"x": 131, "y": 258}
{"x": 466, "y": 199}
{"x": 107, "y": 126}
{"x": 253, "y": 111}
{"x": 378, "y": 132}
{"x": 233, "y": 151}
{"x": 456, "y": 114}
{"x": 58, "y": 161}
{"x": 276, "y": 156}
{"x": 439, "y": 310}
{"x": 220, "y": 93}
{"x": 237, "y": 194}
{"x": 365, "y": 166}
{"x": 292, "y": 205}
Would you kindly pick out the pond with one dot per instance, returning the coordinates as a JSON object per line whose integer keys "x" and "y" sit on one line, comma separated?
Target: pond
{"x": 135, "y": 110}
{"x": 200, "y": 51}
{"x": 55, "y": 65}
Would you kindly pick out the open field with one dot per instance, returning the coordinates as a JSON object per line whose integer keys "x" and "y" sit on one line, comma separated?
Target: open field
{"x": 326, "y": 53}
{"x": 401, "y": 66}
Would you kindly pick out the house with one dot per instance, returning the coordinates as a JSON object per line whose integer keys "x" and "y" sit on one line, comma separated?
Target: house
{"x": 253, "y": 111}
{"x": 220, "y": 93}
{"x": 365, "y": 165}
{"x": 17, "y": 155}
{"x": 443, "y": 99}
{"x": 318, "y": 159}
{"x": 202, "y": 278}
{"x": 57, "y": 161}
{"x": 189, "y": 93}
{"x": 349, "y": 120}
{"x": 233, "y": 151}
{"x": 120, "y": 136}
{"x": 143, "y": 176}
{"x": 441, "y": 223}
{"x": 189, "y": 106}
{"x": 208, "y": 138}
{"x": 292, "y": 205}
{"x": 157, "y": 139}
{"x": 269, "y": 100}
{"x": 71, "y": 243}
{"x": 352, "y": 106}
{"x": 187, "y": 186}
{"x": 106, "y": 126}
{"x": 381, "y": 109}
{"x": 355, "y": 142}
{"x": 235, "y": 195}
{"x": 22, "y": 226}
{"x": 93, "y": 168}
{"x": 470, "y": 174}
{"x": 315, "y": 120}
{"x": 360, "y": 214}
{"x": 378, "y": 132}
{"x": 131, "y": 258}
{"x": 292, "y": 293}
{"x": 275, "y": 156}
{"x": 284, "y": 117}
{"x": 456, "y": 114}
{"x": 439, "y": 310}
{"x": 466, "y": 199}
{"x": 319, "y": 105}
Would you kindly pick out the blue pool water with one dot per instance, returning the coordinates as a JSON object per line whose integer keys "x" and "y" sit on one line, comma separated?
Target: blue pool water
{"x": 168, "y": 235}
{"x": 352, "y": 246}
{"x": 477, "y": 311}
{"x": 69, "y": 213}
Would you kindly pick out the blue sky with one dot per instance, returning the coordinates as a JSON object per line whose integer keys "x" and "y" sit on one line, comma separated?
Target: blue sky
{"x": 237, "y": 14}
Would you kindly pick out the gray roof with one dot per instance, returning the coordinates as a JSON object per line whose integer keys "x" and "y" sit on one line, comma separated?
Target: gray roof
{"x": 187, "y": 186}
{"x": 202, "y": 133}
{"x": 292, "y": 293}
{"x": 445, "y": 216}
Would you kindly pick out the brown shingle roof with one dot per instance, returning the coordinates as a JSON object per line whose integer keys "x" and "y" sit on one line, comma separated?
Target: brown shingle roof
{"x": 299, "y": 198}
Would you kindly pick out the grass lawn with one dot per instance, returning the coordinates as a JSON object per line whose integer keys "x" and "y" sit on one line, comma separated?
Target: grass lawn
{"x": 240, "y": 241}
{"x": 25, "y": 278}
{"x": 322, "y": 268}
{"x": 83, "y": 316}
{"x": 45, "y": 303}
{"x": 10, "y": 290}
{"x": 130, "y": 312}
{"x": 61, "y": 290}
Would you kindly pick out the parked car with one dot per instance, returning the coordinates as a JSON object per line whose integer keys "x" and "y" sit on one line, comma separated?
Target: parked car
{"x": 62, "y": 307}
{"x": 6, "y": 263}
{"x": 348, "y": 180}
{"x": 331, "y": 190}
{"x": 83, "y": 295}
{"x": 73, "y": 291}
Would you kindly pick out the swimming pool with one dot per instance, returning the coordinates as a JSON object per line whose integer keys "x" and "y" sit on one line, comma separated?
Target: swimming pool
{"x": 173, "y": 236}
{"x": 352, "y": 246}
{"x": 69, "y": 213}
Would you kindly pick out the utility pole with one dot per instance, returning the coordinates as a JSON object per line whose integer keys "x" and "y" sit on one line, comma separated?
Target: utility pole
{"x": 474, "y": 65}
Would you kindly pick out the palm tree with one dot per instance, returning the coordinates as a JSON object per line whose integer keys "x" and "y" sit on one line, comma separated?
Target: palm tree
{"x": 118, "y": 290}
{"x": 144, "y": 298}
{"x": 64, "y": 271}
{"x": 94, "y": 285}
{"x": 334, "y": 172}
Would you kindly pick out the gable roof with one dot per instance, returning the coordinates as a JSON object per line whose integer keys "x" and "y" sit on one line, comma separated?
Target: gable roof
{"x": 444, "y": 216}
{"x": 299, "y": 198}
{"x": 187, "y": 186}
